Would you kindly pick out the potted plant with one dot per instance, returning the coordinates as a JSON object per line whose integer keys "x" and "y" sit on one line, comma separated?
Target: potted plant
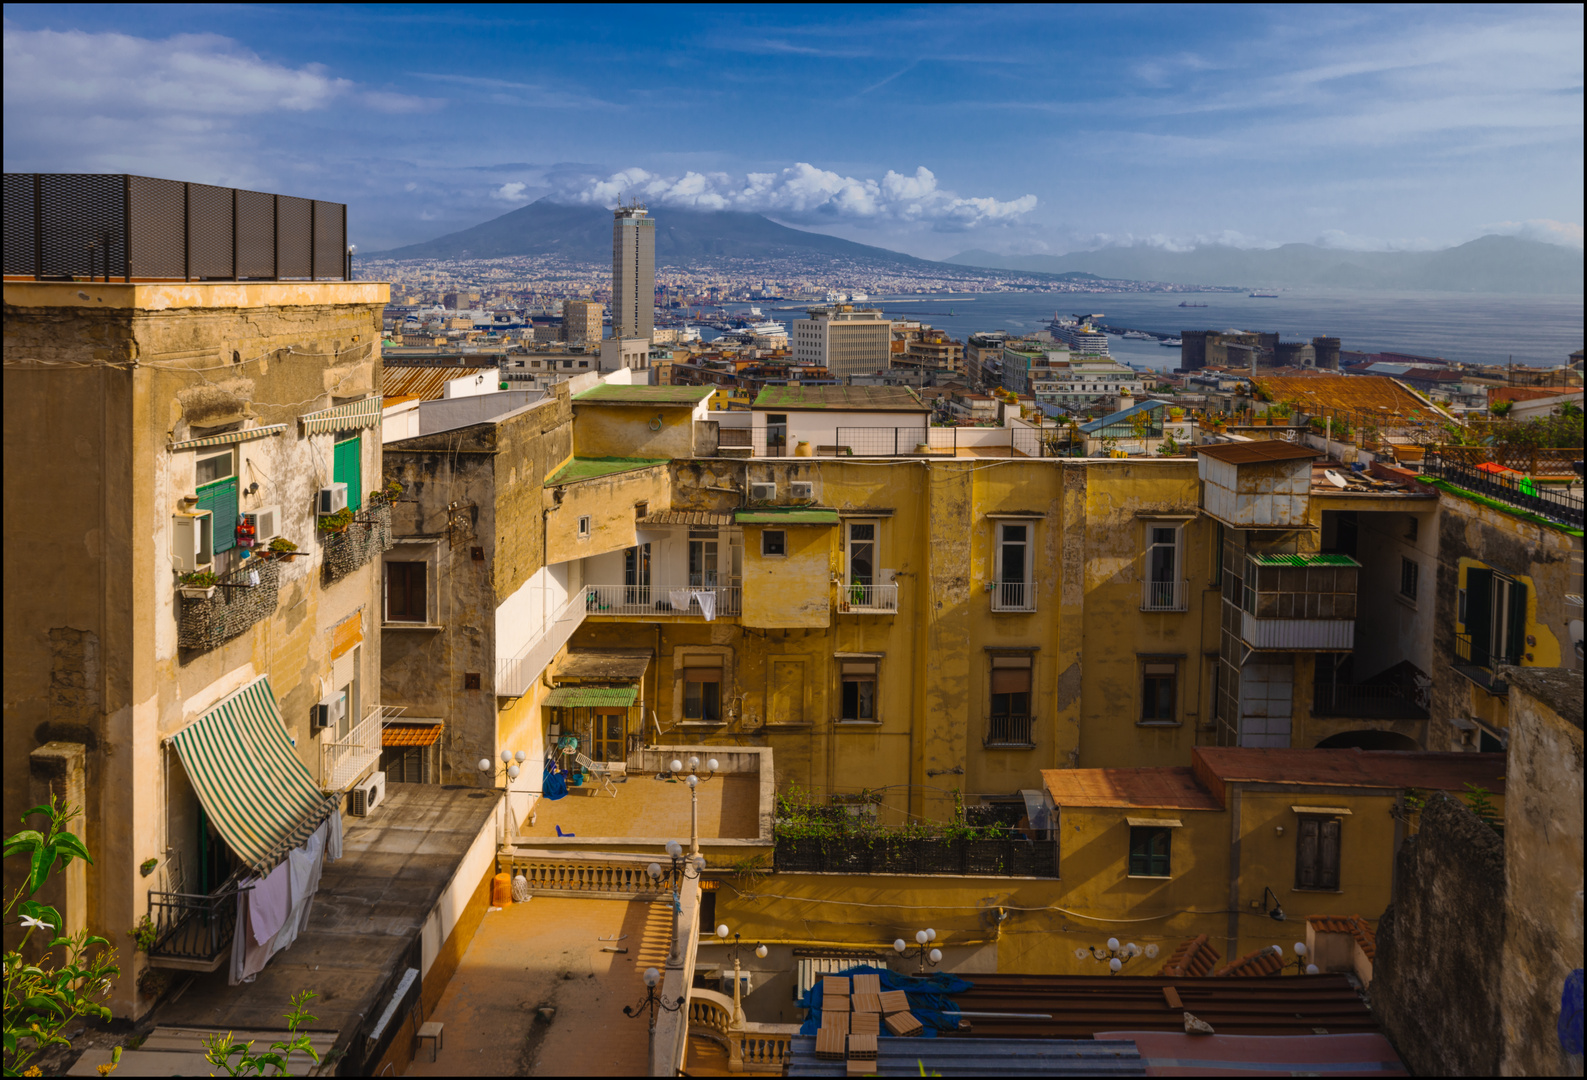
{"x": 337, "y": 522}
{"x": 1176, "y": 412}
{"x": 199, "y": 585}
{"x": 281, "y": 548}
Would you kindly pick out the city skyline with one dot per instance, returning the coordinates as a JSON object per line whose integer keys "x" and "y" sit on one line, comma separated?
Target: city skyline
{"x": 927, "y": 131}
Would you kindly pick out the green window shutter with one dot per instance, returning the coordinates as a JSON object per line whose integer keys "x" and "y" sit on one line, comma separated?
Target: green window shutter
{"x": 348, "y": 469}
{"x": 1479, "y": 609}
{"x": 1516, "y": 646}
{"x": 220, "y": 499}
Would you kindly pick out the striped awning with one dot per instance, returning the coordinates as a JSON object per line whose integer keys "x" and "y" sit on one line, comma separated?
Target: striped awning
{"x": 575, "y": 697}
{"x": 244, "y": 435}
{"x": 355, "y": 414}
{"x": 248, "y": 777}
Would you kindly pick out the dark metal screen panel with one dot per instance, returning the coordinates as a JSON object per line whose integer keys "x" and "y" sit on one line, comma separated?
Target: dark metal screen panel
{"x": 293, "y": 238}
{"x": 330, "y": 239}
{"x": 256, "y": 235}
{"x": 19, "y": 223}
{"x": 81, "y": 221}
{"x": 158, "y": 231}
{"x": 209, "y": 231}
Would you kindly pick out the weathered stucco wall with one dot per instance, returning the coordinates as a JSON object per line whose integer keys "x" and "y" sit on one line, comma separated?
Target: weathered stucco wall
{"x": 1435, "y": 984}
{"x": 610, "y": 503}
{"x": 1543, "y": 869}
{"x": 661, "y": 431}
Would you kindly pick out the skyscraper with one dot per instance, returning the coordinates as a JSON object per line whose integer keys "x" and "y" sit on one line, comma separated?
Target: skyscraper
{"x": 633, "y": 273}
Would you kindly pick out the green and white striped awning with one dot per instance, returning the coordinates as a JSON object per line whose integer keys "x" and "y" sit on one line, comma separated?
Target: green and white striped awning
{"x": 231, "y": 437}
{"x": 576, "y": 697}
{"x": 355, "y": 414}
{"x": 248, "y": 777}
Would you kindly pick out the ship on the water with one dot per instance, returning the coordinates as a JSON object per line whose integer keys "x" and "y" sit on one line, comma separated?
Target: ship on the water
{"x": 1263, "y": 294}
{"x": 1186, "y": 303}
{"x": 1137, "y": 335}
{"x": 1173, "y": 342}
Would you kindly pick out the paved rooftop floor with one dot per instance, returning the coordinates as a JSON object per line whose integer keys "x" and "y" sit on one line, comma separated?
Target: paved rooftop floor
{"x": 371, "y": 903}
{"x": 549, "y": 953}
{"x": 648, "y": 807}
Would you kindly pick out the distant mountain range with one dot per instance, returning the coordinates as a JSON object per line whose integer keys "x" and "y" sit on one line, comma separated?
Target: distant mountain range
{"x": 1496, "y": 264}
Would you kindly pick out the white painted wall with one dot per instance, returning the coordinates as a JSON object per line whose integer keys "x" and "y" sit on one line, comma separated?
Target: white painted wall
{"x": 819, "y": 427}
{"x": 486, "y": 381}
{"x": 480, "y": 857}
{"x": 524, "y": 615}
{"x": 399, "y": 421}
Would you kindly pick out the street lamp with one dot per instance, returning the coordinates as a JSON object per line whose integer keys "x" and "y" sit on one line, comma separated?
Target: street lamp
{"x": 694, "y": 781}
{"x": 1116, "y": 955}
{"x": 651, "y": 1002}
{"x": 1302, "y": 965}
{"x": 681, "y": 869}
{"x": 733, "y": 950}
{"x": 923, "y": 938}
{"x": 512, "y": 765}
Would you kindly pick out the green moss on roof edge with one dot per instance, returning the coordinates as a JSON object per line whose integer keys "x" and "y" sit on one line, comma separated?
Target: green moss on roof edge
{"x": 1495, "y": 504}
{"x": 595, "y": 468}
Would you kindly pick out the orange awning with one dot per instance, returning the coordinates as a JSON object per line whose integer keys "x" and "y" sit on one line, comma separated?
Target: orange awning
{"x": 409, "y": 734}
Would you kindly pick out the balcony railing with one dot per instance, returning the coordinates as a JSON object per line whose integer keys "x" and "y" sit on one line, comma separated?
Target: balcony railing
{"x": 1480, "y": 663}
{"x": 734, "y": 436}
{"x": 1546, "y": 500}
{"x": 61, "y": 226}
{"x": 192, "y": 931}
{"x": 1164, "y": 595}
{"x": 515, "y": 673}
{"x": 1013, "y": 595}
{"x": 344, "y": 760}
{"x": 367, "y": 536}
{"x": 665, "y": 602}
{"x": 858, "y": 599}
{"x": 916, "y": 855}
{"x": 1010, "y": 731}
{"x": 245, "y": 596}
{"x": 1366, "y": 701}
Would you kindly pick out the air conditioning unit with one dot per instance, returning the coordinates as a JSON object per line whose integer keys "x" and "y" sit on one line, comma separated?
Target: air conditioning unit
{"x": 802, "y": 489}
{"x": 368, "y": 795}
{"x": 333, "y": 498}
{"x": 330, "y": 712}
{"x": 192, "y": 541}
{"x": 266, "y": 523}
{"x": 763, "y": 492}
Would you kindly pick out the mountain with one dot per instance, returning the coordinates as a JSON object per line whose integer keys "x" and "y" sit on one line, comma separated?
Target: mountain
{"x": 1497, "y": 264}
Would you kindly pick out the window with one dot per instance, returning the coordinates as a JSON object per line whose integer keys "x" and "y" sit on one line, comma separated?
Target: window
{"x": 1149, "y": 847}
{"x": 1162, "y": 568}
{"x": 1494, "y": 618}
{"x": 1317, "y": 853}
{"x": 1010, "y": 702}
{"x": 776, "y": 431}
{"x": 1158, "y": 686}
{"x": 859, "y": 690}
{"x": 407, "y": 592}
{"x": 584, "y": 528}
{"x": 1409, "y": 572}
{"x": 702, "y": 558}
{"x": 862, "y": 553}
{"x": 773, "y": 542}
{"x": 610, "y": 735}
{"x": 1012, "y": 590}
{"x": 1217, "y": 556}
{"x": 216, "y": 474}
{"x": 348, "y": 466}
{"x": 702, "y": 689}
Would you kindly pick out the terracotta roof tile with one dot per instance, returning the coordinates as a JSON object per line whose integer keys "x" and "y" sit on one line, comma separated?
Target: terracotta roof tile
{"x": 1174, "y": 788}
{"x": 687, "y": 517}
{"x": 1194, "y": 958}
{"x": 1355, "y": 926}
{"x": 1314, "y": 392}
{"x": 1217, "y": 765}
{"x": 1262, "y": 962}
{"x": 410, "y": 734}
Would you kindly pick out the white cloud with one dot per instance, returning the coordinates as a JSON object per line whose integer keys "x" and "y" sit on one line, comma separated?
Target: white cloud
{"x": 1547, "y": 230}
{"x": 513, "y": 192}
{"x": 803, "y": 192}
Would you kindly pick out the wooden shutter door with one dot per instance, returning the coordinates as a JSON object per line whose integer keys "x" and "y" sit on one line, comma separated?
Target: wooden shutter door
{"x": 1479, "y": 611}
{"x": 1328, "y": 854}
{"x": 1515, "y": 648}
{"x": 347, "y": 468}
{"x": 1306, "y": 854}
{"x": 220, "y": 499}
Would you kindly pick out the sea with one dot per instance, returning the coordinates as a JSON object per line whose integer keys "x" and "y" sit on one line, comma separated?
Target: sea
{"x": 1540, "y": 331}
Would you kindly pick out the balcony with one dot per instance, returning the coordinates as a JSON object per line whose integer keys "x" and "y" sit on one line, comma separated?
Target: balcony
{"x": 1164, "y": 595}
{"x": 1480, "y": 664}
{"x": 343, "y": 761}
{"x": 660, "y": 602}
{"x": 367, "y": 536}
{"x": 1322, "y": 635}
{"x": 1012, "y": 732}
{"x": 1367, "y": 701}
{"x": 245, "y": 596}
{"x": 515, "y": 673}
{"x": 1013, "y": 595}
{"x": 192, "y": 932}
{"x": 859, "y": 599}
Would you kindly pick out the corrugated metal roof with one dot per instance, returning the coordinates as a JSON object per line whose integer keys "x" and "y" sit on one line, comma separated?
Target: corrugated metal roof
{"x": 603, "y": 665}
{"x": 1179, "y": 1054}
{"x": 1165, "y": 787}
{"x": 574, "y": 697}
{"x": 424, "y": 383}
{"x": 1350, "y": 768}
{"x": 703, "y": 518}
{"x": 840, "y": 398}
{"x": 1374, "y": 393}
{"x": 409, "y": 734}
{"x": 1281, "y": 559}
{"x": 1259, "y": 450}
{"x": 983, "y": 1057}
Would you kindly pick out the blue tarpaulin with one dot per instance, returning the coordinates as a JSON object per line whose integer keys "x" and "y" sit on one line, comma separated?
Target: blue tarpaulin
{"x": 928, "y": 999}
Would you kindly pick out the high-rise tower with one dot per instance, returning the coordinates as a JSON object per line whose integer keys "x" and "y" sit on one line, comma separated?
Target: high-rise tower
{"x": 633, "y": 273}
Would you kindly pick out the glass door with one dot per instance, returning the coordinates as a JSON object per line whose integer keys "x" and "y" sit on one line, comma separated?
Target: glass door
{"x": 702, "y": 563}
{"x": 610, "y": 735}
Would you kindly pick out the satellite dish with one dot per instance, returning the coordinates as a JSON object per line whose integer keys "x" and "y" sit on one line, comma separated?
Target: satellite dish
{"x": 1335, "y": 479}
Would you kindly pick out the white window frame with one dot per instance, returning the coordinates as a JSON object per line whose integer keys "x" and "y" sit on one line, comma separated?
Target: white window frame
{"x": 999, "y": 603}
{"x": 848, "y": 548}
{"x": 584, "y": 527}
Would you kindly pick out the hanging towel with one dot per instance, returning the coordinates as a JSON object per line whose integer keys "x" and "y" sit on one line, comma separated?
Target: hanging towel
{"x": 234, "y": 974}
{"x": 333, "y": 837}
{"x": 680, "y": 599}
{"x": 707, "y": 602}
{"x": 269, "y": 904}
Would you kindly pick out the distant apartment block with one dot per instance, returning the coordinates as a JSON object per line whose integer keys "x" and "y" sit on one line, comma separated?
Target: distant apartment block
{"x": 581, "y": 321}
{"x": 844, "y": 339}
{"x": 633, "y": 273}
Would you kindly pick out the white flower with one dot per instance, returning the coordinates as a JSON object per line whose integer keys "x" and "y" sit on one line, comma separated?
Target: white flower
{"x": 29, "y": 922}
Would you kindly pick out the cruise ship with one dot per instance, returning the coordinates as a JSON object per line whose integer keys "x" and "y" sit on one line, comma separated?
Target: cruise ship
{"x": 1171, "y": 343}
{"x": 1137, "y": 335}
{"x": 1085, "y": 339}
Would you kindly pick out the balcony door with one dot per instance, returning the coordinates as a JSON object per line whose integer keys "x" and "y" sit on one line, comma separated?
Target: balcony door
{"x": 1013, "y": 566}
{"x": 862, "y": 553}
{"x": 611, "y": 735}
{"x": 702, "y": 559}
{"x": 636, "y": 574}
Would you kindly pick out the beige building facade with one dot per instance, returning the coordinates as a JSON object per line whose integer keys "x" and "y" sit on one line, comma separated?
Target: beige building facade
{"x": 844, "y": 339}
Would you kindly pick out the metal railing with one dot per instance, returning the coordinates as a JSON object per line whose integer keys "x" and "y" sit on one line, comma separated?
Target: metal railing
{"x": 61, "y": 226}
{"x": 1013, "y": 595}
{"x": 1533, "y": 460}
{"x": 857, "y": 598}
{"x": 1010, "y": 731}
{"x": 734, "y": 436}
{"x": 1469, "y": 654}
{"x": 244, "y": 596}
{"x": 1521, "y": 492}
{"x": 1164, "y": 595}
{"x": 342, "y": 761}
{"x": 942, "y": 442}
{"x": 1366, "y": 701}
{"x": 190, "y": 930}
{"x": 664, "y": 602}
{"x": 515, "y": 673}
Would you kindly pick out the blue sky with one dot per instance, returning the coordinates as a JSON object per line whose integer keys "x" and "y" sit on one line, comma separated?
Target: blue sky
{"x": 929, "y": 130}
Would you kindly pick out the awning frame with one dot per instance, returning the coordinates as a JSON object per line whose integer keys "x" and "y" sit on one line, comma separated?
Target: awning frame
{"x": 226, "y": 437}
{"x": 363, "y": 413}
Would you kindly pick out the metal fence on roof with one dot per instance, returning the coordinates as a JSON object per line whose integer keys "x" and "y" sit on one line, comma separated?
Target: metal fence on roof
{"x": 63, "y": 226}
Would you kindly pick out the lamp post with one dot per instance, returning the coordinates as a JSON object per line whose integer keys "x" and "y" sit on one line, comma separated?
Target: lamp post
{"x": 511, "y": 765}
{"x": 1116, "y": 955}
{"x": 694, "y": 781}
{"x": 651, "y": 1002}
{"x": 1302, "y": 965}
{"x": 760, "y": 951}
{"x": 923, "y": 938}
{"x": 681, "y": 867}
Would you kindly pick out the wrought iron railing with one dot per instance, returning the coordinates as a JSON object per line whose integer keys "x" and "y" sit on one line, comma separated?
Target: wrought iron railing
{"x": 664, "y": 602}
{"x": 191, "y": 930}
{"x": 244, "y": 596}
{"x": 1010, "y": 731}
{"x": 62, "y": 226}
{"x": 1164, "y": 595}
{"x": 884, "y": 854}
{"x": 1013, "y": 595}
{"x": 1366, "y": 701}
{"x": 1470, "y": 654}
{"x": 860, "y": 599}
{"x": 734, "y": 436}
{"x": 1522, "y": 492}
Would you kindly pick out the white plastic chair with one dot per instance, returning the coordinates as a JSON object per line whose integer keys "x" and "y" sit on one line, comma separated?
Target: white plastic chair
{"x": 601, "y": 771}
